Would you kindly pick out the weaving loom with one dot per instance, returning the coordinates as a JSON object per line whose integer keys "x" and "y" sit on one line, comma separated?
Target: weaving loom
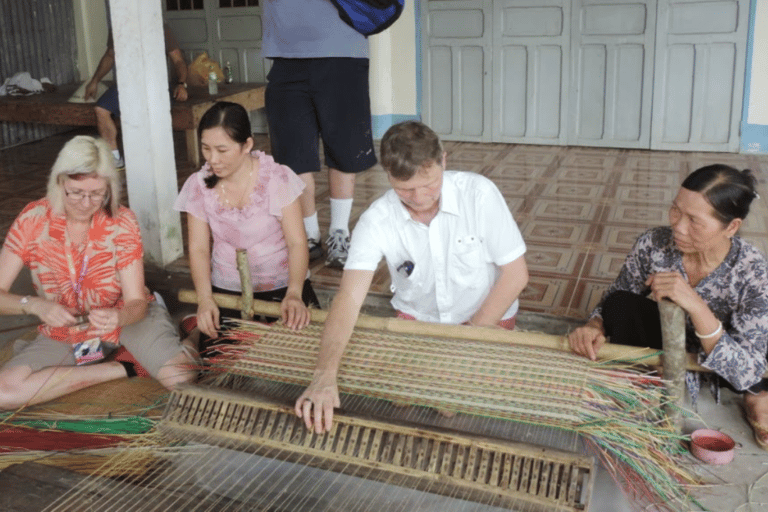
{"x": 224, "y": 448}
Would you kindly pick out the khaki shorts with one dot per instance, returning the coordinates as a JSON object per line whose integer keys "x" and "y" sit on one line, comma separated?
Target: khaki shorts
{"x": 153, "y": 341}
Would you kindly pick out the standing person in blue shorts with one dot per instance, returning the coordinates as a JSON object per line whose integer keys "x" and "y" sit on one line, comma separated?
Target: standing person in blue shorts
{"x": 318, "y": 86}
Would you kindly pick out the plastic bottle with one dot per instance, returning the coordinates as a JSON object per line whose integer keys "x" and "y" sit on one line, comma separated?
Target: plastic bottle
{"x": 213, "y": 84}
{"x": 228, "y": 73}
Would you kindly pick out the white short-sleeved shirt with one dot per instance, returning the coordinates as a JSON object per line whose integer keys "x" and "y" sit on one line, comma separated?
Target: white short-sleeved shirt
{"x": 456, "y": 258}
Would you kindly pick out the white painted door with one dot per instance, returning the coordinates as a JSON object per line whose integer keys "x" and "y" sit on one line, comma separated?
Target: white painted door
{"x": 661, "y": 74}
{"x": 612, "y": 81}
{"x": 456, "y": 45}
{"x": 229, "y": 31}
{"x": 531, "y": 47}
{"x": 700, "y": 63}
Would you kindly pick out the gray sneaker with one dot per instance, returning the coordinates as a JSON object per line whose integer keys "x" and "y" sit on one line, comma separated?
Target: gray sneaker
{"x": 315, "y": 249}
{"x": 337, "y": 244}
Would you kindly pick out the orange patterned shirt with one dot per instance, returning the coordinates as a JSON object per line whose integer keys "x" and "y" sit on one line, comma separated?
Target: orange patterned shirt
{"x": 38, "y": 237}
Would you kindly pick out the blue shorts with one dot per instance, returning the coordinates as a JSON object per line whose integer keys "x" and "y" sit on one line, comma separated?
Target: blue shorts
{"x": 326, "y": 97}
{"x": 108, "y": 101}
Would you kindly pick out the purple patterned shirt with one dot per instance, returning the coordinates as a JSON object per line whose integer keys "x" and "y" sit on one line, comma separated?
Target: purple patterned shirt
{"x": 735, "y": 292}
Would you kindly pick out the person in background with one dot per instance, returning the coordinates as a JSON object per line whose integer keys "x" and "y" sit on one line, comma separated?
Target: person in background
{"x": 85, "y": 254}
{"x": 318, "y": 85}
{"x": 107, "y": 107}
{"x": 454, "y": 253}
{"x": 719, "y": 279}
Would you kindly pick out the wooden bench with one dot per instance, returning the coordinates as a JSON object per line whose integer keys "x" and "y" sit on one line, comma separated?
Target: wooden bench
{"x": 53, "y": 108}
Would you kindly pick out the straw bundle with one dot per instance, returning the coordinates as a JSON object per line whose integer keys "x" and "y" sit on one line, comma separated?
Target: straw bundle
{"x": 616, "y": 408}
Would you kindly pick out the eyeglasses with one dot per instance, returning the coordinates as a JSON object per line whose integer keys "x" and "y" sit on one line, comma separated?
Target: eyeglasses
{"x": 79, "y": 195}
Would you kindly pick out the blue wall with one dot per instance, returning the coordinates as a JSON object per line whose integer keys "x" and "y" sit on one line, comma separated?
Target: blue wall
{"x": 754, "y": 137}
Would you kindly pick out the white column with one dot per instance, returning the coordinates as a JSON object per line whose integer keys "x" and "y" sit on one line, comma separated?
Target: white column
{"x": 145, "y": 116}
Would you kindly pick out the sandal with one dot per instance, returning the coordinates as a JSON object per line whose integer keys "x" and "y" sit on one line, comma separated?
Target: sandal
{"x": 761, "y": 432}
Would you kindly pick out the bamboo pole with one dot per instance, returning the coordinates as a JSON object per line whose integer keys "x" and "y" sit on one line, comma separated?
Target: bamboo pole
{"x": 246, "y": 285}
{"x": 412, "y": 327}
{"x": 672, "y": 319}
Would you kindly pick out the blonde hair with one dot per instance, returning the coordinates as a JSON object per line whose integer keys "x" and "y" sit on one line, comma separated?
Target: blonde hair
{"x": 84, "y": 155}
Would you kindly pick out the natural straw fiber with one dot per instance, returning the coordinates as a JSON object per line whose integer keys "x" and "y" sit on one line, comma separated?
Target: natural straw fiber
{"x": 619, "y": 410}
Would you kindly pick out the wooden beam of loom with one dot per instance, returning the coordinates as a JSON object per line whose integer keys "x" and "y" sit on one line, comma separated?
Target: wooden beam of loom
{"x": 608, "y": 351}
{"x": 474, "y": 468}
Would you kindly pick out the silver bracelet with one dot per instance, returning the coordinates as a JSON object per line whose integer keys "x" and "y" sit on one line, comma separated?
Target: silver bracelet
{"x": 713, "y": 333}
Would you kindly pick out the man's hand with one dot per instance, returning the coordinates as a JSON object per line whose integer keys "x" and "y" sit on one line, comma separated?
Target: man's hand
{"x": 316, "y": 403}
{"x": 91, "y": 89}
{"x": 180, "y": 93}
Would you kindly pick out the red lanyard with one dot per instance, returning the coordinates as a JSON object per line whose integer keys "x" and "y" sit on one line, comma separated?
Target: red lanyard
{"x": 75, "y": 278}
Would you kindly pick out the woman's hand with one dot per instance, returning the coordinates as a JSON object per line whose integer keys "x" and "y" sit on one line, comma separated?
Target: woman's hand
{"x": 208, "y": 317}
{"x": 673, "y": 286}
{"x": 104, "y": 321}
{"x": 52, "y": 313}
{"x": 588, "y": 339}
{"x": 294, "y": 314}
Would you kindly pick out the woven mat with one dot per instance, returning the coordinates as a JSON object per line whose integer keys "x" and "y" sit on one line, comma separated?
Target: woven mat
{"x": 483, "y": 378}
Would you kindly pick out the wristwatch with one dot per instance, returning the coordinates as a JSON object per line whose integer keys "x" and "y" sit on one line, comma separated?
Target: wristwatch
{"x": 183, "y": 84}
{"x": 23, "y": 302}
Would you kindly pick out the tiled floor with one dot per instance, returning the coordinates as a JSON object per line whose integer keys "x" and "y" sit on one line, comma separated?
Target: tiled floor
{"x": 579, "y": 209}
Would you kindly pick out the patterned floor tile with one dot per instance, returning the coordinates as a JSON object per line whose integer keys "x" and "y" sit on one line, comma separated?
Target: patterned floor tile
{"x": 591, "y": 175}
{"x": 544, "y": 294}
{"x": 560, "y": 233}
{"x": 547, "y": 208}
{"x": 553, "y": 260}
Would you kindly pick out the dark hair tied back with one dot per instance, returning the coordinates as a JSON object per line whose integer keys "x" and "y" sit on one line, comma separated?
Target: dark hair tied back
{"x": 728, "y": 190}
{"x": 233, "y": 118}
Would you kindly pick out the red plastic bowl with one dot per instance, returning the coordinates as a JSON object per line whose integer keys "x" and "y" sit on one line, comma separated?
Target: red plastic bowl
{"x": 712, "y": 447}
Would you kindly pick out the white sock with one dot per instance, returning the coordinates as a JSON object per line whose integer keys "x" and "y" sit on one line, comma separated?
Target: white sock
{"x": 312, "y": 227}
{"x": 341, "y": 209}
{"x": 116, "y": 154}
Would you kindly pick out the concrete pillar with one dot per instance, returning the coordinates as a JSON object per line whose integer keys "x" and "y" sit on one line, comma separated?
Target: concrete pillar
{"x": 145, "y": 116}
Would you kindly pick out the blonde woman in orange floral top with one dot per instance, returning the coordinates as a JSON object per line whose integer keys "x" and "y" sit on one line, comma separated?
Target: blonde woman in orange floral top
{"x": 85, "y": 255}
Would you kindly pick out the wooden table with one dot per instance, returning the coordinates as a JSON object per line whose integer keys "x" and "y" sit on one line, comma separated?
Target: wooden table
{"x": 53, "y": 108}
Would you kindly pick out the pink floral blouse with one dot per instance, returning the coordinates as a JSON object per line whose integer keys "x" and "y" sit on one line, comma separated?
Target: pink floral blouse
{"x": 257, "y": 227}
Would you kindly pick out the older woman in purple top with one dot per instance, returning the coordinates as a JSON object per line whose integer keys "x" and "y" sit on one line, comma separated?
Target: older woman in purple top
{"x": 719, "y": 279}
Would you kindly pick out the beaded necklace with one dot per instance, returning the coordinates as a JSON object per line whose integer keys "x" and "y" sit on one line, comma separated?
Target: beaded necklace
{"x": 242, "y": 194}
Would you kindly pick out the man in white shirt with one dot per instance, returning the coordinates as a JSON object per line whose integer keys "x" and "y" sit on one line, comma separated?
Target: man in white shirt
{"x": 454, "y": 253}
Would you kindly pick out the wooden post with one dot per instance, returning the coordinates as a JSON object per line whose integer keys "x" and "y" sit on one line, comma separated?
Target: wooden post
{"x": 246, "y": 285}
{"x": 674, "y": 360}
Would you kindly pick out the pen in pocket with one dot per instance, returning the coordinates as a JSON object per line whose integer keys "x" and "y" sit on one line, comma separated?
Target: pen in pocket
{"x": 406, "y": 268}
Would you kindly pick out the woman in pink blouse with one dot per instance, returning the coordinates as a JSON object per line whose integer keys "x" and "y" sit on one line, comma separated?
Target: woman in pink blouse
{"x": 243, "y": 199}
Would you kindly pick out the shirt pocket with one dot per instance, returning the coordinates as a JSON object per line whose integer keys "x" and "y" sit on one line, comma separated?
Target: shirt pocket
{"x": 407, "y": 287}
{"x": 468, "y": 263}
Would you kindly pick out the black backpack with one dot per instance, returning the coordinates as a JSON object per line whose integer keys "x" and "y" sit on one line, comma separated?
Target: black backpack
{"x": 369, "y": 16}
